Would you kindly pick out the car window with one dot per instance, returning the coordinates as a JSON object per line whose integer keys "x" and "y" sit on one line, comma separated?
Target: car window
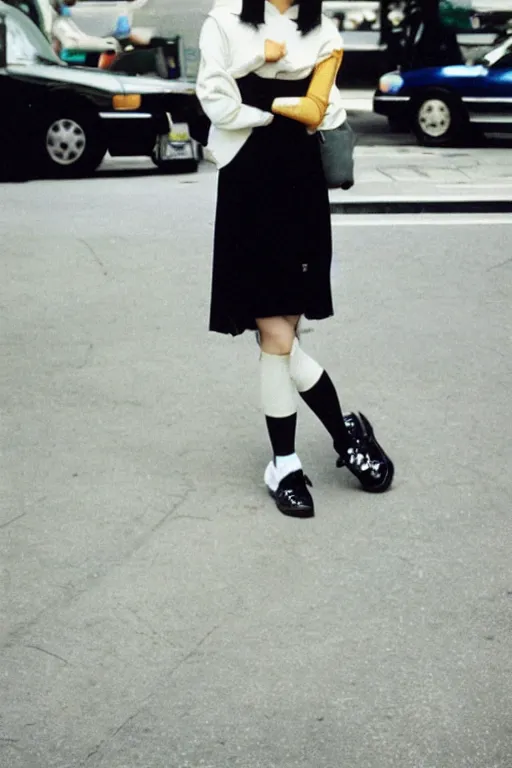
{"x": 494, "y": 57}
{"x": 504, "y": 63}
{"x": 25, "y": 42}
{"x": 29, "y": 9}
{"x": 20, "y": 49}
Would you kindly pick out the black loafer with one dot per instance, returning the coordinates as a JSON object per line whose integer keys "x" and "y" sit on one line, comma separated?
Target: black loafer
{"x": 365, "y": 458}
{"x": 292, "y": 496}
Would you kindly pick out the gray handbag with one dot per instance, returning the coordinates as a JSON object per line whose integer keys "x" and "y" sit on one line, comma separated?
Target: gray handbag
{"x": 337, "y": 150}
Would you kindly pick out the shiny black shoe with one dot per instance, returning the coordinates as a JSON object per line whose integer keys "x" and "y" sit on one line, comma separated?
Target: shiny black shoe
{"x": 365, "y": 458}
{"x": 291, "y": 495}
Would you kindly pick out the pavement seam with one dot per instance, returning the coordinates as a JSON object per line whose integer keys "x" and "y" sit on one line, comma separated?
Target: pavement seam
{"x": 421, "y": 206}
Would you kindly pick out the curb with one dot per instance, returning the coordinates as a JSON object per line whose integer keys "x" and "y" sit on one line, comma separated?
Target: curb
{"x": 421, "y": 206}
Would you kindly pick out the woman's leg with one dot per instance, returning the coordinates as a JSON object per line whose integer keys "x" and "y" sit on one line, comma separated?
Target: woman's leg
{"x": 277, "y": 390}
{"x": 284, "y": 476}
{"x": 352, "y": 435}
{"x": 277, "y": 334}
{"x": 316, "y": 388}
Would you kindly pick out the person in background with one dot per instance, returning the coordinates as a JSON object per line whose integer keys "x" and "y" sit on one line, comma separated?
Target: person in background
{"x": 66, "y": 34}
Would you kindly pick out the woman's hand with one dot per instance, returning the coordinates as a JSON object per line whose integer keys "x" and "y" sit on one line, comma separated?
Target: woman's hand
{"x": 274, "y": 51}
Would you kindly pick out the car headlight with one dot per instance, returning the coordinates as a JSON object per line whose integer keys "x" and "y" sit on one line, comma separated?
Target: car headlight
{"x": 390, "y": 83}
{"x": 123, "y": 101}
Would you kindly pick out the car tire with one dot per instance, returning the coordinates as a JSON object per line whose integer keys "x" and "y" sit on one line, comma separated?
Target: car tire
{"x": 439, "y": 119}
{"x": 399, "y": 125}
{"x": 70, "y": 143}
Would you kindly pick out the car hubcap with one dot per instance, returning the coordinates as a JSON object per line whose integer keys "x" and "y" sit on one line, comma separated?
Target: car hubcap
{"x": 434, "y": 118}
{"x": 65, "y": 142}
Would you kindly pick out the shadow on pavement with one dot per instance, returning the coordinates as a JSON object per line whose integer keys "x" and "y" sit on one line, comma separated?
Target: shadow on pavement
{"x": 369, "y": 129}
{"x": 107, "y": 173}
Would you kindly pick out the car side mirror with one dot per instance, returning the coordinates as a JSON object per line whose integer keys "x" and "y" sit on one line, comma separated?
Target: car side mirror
{"x": 3, "y": 43}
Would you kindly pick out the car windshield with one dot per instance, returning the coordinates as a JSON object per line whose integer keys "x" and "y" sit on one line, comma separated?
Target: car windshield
{"x": 26, "y": 44}
{"x": 493, "y": 57}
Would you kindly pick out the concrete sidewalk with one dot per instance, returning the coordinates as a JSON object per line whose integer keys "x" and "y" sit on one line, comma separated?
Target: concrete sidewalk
{"x": 415, "y": 179}
{"x": 400, "y": 179}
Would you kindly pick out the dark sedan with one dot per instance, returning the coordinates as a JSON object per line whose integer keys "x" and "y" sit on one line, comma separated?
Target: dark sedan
{"x": 62, "y": 120}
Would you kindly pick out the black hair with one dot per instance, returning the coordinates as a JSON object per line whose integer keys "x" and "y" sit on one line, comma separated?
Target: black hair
{"x": 310, "y": 13}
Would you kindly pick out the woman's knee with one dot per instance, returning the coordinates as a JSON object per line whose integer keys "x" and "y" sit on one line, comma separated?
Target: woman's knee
{"x": 293, "y": 320}
{"x": 276, "y": 335}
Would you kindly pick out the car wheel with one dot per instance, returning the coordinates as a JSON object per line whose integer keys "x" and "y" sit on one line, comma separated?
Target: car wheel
{"x": 72, "y": 144}
{"x": 439, "y": 120}
{"x": 399, "y": 125}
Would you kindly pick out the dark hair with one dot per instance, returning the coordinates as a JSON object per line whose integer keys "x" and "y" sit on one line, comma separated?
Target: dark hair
{"x": 310, "y": 13}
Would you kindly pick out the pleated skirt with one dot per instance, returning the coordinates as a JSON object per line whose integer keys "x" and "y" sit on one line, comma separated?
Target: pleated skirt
{"x": 272, "y": 243}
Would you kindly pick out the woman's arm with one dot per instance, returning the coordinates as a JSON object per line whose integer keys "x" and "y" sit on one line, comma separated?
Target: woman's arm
{"x": 335, "y": 114}
{"x": 216, "y": 88}
{"x": 321, "y": 107}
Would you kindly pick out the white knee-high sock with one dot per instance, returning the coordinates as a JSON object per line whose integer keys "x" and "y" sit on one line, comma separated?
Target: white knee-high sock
{"x": 304, "y": 371}
{"x": 279, "y": 401}
{"x": 278, "y": 396}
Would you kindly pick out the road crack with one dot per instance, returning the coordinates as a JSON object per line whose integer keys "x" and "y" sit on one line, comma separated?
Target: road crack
{"x": 114, "y": 733}
{"x": 172, "y": 512}
{"x": 48, "y": 653}
{"x": 100, "y": 746}
{"x": 95, "y": 256}
{"x": 501, "y": 264}
{"x": 87, "y": 357}
{"x": 194, "y": 649}
{"x": 10, "y": 522}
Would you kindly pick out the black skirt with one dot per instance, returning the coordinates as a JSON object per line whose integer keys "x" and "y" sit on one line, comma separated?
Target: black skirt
{"x": 273, "y": 244}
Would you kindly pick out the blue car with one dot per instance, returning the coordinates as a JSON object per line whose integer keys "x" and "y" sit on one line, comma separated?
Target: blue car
{"x": 441, "y": 104}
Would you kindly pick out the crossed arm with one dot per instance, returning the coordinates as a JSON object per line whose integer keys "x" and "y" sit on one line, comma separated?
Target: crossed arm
{"x": 220, "y": 96}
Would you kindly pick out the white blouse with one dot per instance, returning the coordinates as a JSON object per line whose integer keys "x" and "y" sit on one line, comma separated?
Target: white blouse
{"x": 231, "y": 50}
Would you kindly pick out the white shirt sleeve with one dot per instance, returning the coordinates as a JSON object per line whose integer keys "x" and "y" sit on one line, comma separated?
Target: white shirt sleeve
{"x": 216, "y": 87}
{"x": 336, "y": 113}
{"x": 332, "y": 39}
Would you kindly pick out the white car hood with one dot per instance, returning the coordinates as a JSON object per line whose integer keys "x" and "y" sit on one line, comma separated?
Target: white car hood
{"x": 94, "y": 78}
{"x": 142, "y": 85}
{"x": 111, "y": 82}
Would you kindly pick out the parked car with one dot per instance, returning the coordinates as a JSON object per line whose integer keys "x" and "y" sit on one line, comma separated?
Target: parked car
{"x": 62, "y": 120}
{"x": 442, "y": 104}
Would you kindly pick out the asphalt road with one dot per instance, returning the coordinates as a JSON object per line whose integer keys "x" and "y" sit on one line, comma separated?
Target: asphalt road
{"x": 373, "y": 130}
{"x": 157, "y": 611}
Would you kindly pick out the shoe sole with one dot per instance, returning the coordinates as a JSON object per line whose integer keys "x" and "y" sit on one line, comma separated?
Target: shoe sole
{"x": 302, "y": 513}
{"x": 391, "y": 467}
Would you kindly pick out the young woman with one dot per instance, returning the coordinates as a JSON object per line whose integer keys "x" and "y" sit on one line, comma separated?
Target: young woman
{"x": 267, "y": 84}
